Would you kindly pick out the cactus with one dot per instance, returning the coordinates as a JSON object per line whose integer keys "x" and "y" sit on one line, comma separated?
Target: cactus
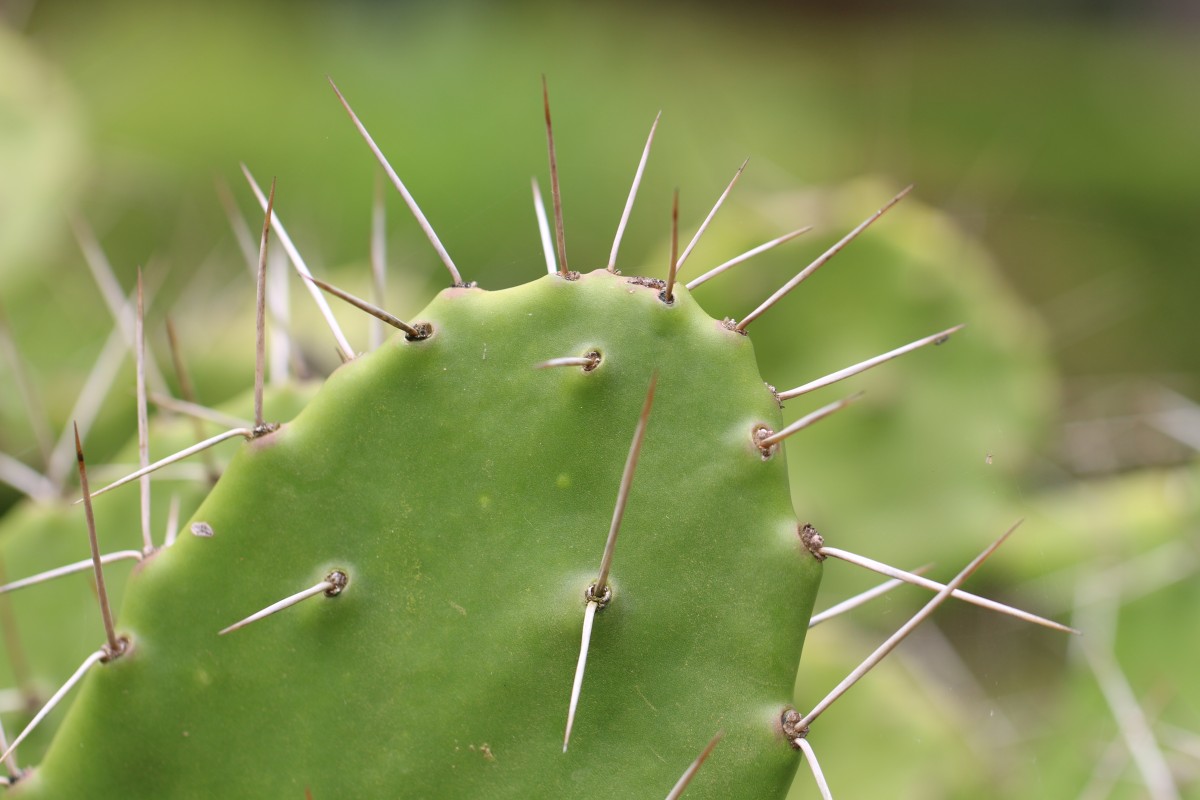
{"x": 428, "y": 538}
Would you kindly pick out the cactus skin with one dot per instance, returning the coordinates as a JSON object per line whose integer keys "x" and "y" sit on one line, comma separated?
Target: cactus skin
{"x": 467, "y": 496}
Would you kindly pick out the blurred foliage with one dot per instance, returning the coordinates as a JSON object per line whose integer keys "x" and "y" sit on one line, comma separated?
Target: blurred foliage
{"x": 41, "y": 152}
{"x": 1062, "y": 143}
{"x": 1059, "y": 146}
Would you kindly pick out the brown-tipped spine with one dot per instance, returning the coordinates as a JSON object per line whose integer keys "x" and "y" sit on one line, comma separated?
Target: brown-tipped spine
{"x": 673, "y": 267}
{"x": 412, "y": 331}
{"x": 260, "y": 310}
{"x": 556, "y": 193}
{"x": 635, "y": 448}
{"x": 114, "y": 646}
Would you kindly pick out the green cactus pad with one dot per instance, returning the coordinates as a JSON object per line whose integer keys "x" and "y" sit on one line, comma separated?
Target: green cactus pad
{"x": 467, "y": 495}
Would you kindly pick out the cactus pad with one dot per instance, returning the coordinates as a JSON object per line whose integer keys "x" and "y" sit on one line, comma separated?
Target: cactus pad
{"x": 387, "y": 595}
{"x": 466, "y": 495}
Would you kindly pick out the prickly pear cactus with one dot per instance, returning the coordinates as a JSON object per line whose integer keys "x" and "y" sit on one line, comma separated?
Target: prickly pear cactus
{"x": 466, "y": 497}
{"x": 438, "y": 515}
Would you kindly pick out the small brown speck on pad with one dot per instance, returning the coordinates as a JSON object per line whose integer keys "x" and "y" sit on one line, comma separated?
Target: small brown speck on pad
{"x": 650, "y": 283}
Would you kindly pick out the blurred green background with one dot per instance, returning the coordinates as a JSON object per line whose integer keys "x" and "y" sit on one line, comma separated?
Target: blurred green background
{"x": 1054, "y": 152}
